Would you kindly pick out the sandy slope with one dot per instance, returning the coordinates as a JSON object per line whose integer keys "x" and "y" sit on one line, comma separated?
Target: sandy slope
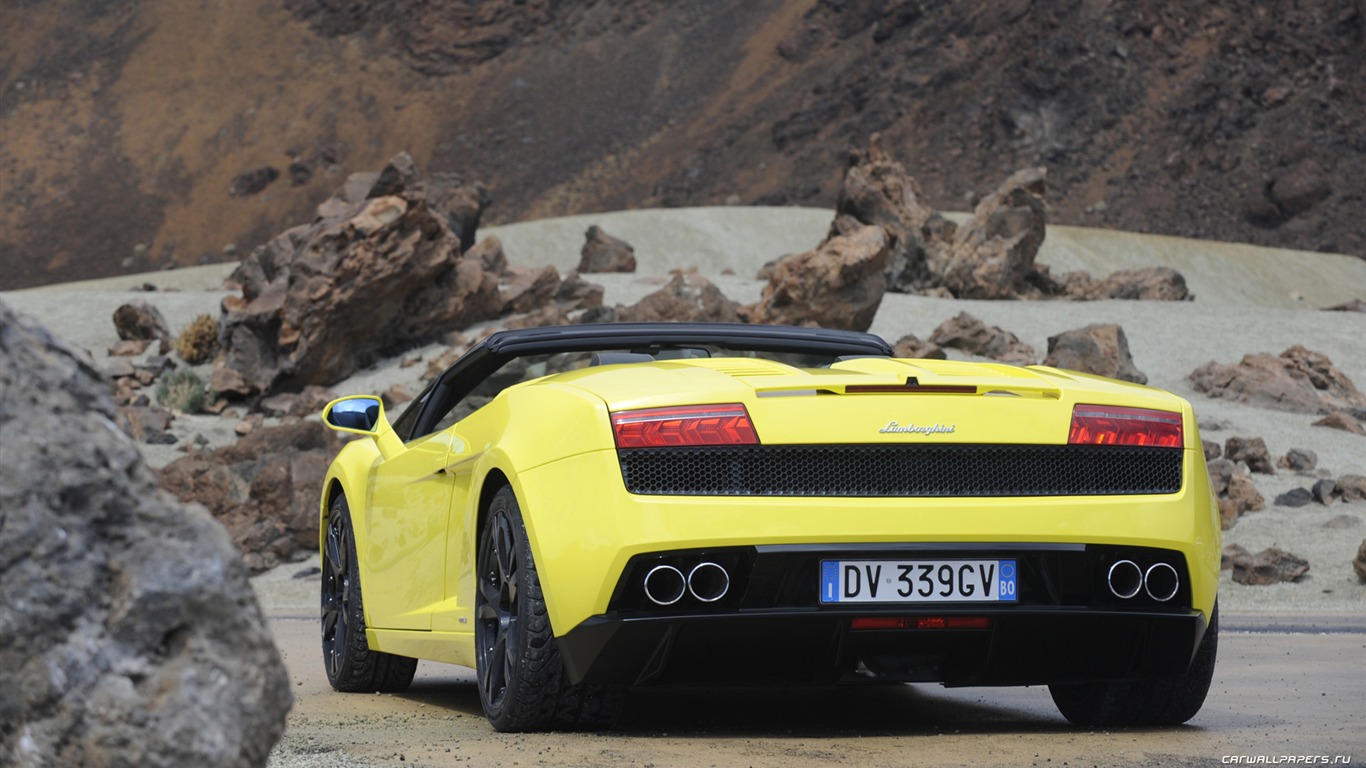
{"x": 1248, "y": 300}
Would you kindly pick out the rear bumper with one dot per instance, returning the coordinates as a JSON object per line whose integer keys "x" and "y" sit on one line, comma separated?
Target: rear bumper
{"x": 1022, "y": 646}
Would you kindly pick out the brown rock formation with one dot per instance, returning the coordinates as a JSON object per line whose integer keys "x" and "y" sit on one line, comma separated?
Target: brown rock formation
{"x": 911, "y": 346}
{"x": 1151, "y": 284}
{"x": 322, "y": 300}
{"x": 263, "y": 488}
{"x": 993, "y": 254}
{"x": 1298, "y": 380}
{"x": 688, "y": 296}
{"x": 1101, "y": 349}
{"x": 1272, "y": 565}
{"x": 1252, "y": 451}
{"x": 879, "y": 191}
{"x": 603, "y": 253}
{"x": 969, "y": 334}
{"x": 839, "y": 284}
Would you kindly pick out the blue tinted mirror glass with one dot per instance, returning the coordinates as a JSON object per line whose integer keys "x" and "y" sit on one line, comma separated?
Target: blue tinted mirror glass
{"x": 360, "y": 413}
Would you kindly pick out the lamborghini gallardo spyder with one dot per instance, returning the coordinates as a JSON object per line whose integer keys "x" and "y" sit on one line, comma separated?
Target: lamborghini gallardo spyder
{"x": 575, "y": 511}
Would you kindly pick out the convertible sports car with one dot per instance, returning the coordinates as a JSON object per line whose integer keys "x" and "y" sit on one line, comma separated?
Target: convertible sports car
{"x": 577, "y": 510}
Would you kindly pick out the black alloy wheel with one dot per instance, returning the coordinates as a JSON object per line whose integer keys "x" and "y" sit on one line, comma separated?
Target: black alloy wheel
{"x": 351, "y": 665}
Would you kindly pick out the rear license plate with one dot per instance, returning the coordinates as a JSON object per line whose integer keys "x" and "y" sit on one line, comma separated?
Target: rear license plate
{"x": 918, "y": 581}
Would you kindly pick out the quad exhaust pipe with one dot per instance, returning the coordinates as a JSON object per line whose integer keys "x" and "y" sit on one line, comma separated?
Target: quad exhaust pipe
{"x": 665, "y": 585}
{"x": 1126, "y": 579}
{"x": 707, "y": 582}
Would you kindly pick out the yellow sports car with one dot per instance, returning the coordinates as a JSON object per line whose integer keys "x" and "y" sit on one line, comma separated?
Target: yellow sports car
{"x": 573, "y": 511}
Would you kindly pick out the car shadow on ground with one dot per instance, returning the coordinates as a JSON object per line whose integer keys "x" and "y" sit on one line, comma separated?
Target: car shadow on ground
{"x": 892, "y": 710}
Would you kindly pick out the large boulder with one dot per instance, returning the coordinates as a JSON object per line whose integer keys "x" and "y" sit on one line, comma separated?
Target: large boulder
{"x": 993, "y": 253}
{"x": 969, "y": 334}
{"x": 838, "y": 284}
{"x": 323, "y": 300}
{"x": 1299, "y": 380}
{"x": 879, "y": 191}
{"x": 263, "y": 488}
{"x": 1099, "y": 348}
{"x": 688, "y": 297}
{"x": 603, "y": 253}
{"x": 129, "y": 635}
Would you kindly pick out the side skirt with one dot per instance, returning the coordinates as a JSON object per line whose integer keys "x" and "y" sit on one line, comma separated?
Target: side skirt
{"x": 448, "y": 647}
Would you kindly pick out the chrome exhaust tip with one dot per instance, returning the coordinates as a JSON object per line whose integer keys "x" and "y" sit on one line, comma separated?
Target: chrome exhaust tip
{"x": 708, "y": 582}
{"x": 1125, "y": 579}
{"x": 665, "y": 585}
{"x": 1161, "y": 582}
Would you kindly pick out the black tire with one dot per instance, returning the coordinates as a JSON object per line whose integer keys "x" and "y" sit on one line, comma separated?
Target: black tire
{"x": 522, "y": 683}
{"x": 1160, "y": 701}
{"x": 351, "y": 666}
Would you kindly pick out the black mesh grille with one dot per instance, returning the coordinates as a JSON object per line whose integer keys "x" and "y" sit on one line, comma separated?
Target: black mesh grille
{"x": 901, "y": 470}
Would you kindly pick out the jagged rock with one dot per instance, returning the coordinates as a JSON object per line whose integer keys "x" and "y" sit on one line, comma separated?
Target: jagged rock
{"x": 458, "y": 204}
{"x": 911, "y": 346}
{"x": 1355, "y": 305}
{"x": 1342, "y": 420}
{"x": 1294, "y": 498}
{"x": 397, "y": 176}
{"x": 878, "y": 191}
{"x": 1272, "y": 565}
{"x": 688, "y": 296}
{"x": 576, "y": 293}
{"x": 489, "y": 253}
{"x": 993, "y": 253}
{"x": 525, "y": 290}
{"x": 1212, "y": 449}
{"x": 1149, "y": 284}
{"x": 1298, "y": 380}
{"x": 1323, "y": 491}
{"x": 1234, "y": 490}
{"x": 839, "y": 284}
{"x": 1351, "y": 487}
{"x": 138, "y": 320}
{"x": 1252, "y": 451}
{"x": 598, "y": 314}
{"x": 1298, "y": 460}
{"x": 603, "y": 253}
{"x": 323, "y": 300}
{"x": 1099, "y": 348}
{"x": 129, "y": 635}
{"x": 969, "y": 334}
{"x": 263, "y": 488}
{"x": 1359, "y": 563}
{"x": 1152, "y": 283}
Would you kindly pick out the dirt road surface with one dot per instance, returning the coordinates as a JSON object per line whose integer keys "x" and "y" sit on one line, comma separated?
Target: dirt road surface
{"x": 1284, "y": 686}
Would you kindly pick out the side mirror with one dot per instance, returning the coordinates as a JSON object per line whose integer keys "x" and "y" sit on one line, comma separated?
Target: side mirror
{"x": 359, "y": 414}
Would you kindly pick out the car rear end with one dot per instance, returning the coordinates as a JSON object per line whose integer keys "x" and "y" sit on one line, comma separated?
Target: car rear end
{"x": 875, "y": 521}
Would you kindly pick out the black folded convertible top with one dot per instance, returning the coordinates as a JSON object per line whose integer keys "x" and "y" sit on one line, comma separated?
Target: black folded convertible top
{"x": 486, "y": 357}
{"x": 757, "y": 338}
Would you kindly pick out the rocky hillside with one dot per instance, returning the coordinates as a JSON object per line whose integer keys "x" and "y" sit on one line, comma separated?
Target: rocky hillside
{"x": 139, "y": 134}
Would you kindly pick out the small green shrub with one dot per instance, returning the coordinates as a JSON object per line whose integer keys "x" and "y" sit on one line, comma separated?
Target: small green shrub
{"x": 183, "y": 391}
{"x": 198, "y": 343}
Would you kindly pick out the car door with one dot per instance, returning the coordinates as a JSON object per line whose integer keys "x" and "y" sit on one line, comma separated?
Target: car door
{"x": 406, "y": 533}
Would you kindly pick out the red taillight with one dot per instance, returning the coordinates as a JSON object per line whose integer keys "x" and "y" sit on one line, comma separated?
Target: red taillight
{"x": 922, "y": 622}
{"x": 684, "y": 425}
{"x": 1116, "y": 425}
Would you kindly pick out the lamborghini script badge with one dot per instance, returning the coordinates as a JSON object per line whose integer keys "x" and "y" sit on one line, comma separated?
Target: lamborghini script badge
{"x": 923, "y": 429}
